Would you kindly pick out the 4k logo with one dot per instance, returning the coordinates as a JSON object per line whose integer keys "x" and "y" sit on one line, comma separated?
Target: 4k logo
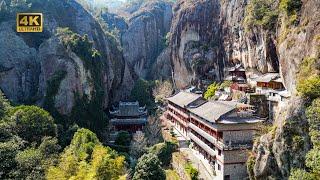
{"x": 29, "y": 22}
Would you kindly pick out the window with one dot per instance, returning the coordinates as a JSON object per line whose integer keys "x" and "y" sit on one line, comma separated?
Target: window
{"x": 219, "y": 152}
{"x": 226, "y": 177}
{"x": 219, "y": 168}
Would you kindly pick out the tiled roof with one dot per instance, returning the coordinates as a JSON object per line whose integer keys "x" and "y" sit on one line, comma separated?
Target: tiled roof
{"x": 267, "y": 77}
{"x": 129, "y": 109}
{"x": 183, "y": 98}
{"x": 212, "y": 111}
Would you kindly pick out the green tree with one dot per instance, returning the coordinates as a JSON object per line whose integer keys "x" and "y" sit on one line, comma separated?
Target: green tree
{"x": 86, "y": 158}
{"x": 28, "y": 143}
{"x": 313, "y": 114}
{"x": 33, "y": 123}
{"x": 210, "y": 92}
{"x": 29, "y": 164}
{"x": 313, "y": 161}
{"x": 261, "y": 13}
{"x": 299, "y": 174}
{"x": 164, "y": 152}
{"x": 142, "y": 92}
{"x": 308, "y": 78}
{"x": 8, "y": 151}
{"x": 4, "y": 105}
{"x": 310, "y": 87}
{"x": 107, "y": 164}
{"x": 149, "y": 168}
{"x": 290, "y": 6}
{"x": 123, "y": 141}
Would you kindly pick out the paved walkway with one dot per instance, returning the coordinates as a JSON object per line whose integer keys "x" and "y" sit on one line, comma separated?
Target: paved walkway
{"x": 196, "y": 162}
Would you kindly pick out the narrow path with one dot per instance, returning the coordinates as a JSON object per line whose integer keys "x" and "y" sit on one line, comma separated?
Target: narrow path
{"x": 196, "y": 162}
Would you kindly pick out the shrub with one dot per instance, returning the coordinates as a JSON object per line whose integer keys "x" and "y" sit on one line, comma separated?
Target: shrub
{"x": 193, "y": 172}
{"x": 261, "y": 13}
{"x": 297, "y": 142}
{"x": 250, "y": 166}
{"x": 299, "y": 174}
{"x": 225, "y": 84}
{"x": 164, "y": 152}
{"x": 291, "y": 8}
{"x": 308, "y": 78}
{"x": 313, "y": 160}
{"x": 313, "y": 114}
{"x": 310, "y": 87}
{"x": 210, "y": 92}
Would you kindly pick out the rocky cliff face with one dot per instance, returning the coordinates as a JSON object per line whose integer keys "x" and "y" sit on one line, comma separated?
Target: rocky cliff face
{"x": 211, "y": 33}
{"x": 277, "y": 152}
{"x": 28, "y": 61}
{"x": 286, "y": 149}
{"x": 19, "y": 67}
{"x": 144, "y": 39}
{"x": 194, "y": 41}
{"x": 214, "y": 34}
{"x": 115, "y": 22}
{"x": 254, "y": 48}
{"x": 207, "y": 36}
{"x": 299, "y": 42}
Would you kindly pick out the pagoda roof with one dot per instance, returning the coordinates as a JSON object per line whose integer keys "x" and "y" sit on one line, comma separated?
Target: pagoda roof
{"x": 129, "y": 109}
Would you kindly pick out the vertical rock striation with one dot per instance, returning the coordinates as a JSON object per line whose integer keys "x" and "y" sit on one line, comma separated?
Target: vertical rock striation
{"x": 28, "y": 61}
{"x": 195, "y": 41}
{"x": 144, "y": 39}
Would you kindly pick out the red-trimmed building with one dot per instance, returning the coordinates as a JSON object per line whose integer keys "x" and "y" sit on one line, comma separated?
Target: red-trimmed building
{"x": 221, "y": 131}
{"x": 128, "y": 116}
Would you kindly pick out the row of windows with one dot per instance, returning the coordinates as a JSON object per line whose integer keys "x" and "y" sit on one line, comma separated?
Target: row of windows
{"x": 211, "y": 145}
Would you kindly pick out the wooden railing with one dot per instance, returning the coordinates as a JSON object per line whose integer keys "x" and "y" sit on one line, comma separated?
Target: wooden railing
{"x": 177, "y": 118}
{"x": 178, "y": 111}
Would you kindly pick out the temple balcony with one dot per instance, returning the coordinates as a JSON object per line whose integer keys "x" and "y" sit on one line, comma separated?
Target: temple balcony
{"x": 178, "y": 111}
{"x": 207, "y": 136}
{"x": 203, "y": 145}
{"x": 128, "y": 121}
{"x": 175, "y": 117}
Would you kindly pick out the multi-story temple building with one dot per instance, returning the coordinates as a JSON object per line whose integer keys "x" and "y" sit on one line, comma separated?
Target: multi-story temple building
{"x": 128, "y": 116}
{"x": 222, "y": 131}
